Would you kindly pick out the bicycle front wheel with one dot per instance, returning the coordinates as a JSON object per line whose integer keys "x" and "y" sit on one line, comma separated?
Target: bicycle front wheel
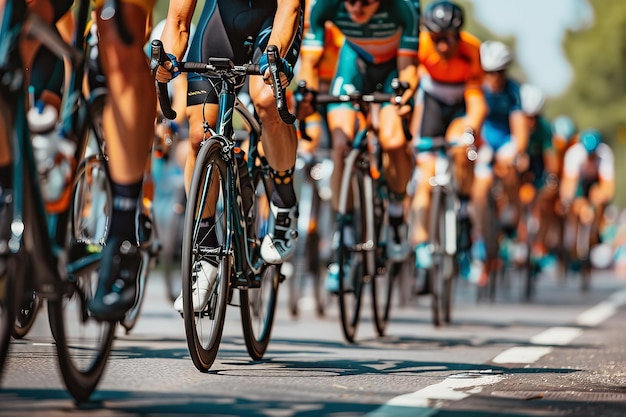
{"x": 207, "y": 204}
{"x": 355, "y": 245}
{"x": 258, "y": 303}
{"x": 83, "y": 343}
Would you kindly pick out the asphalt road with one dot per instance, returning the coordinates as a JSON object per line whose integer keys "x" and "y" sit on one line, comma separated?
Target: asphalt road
{"x": 562, "y": 354}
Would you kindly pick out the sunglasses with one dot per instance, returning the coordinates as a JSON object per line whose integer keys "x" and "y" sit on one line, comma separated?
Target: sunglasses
{"x": 363, "y": 2}
{"x": 499, "y": 72}
{"x": 447, "y": 37}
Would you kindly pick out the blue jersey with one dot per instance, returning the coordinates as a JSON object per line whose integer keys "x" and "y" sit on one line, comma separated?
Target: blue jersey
{"x": 496, "y": 130}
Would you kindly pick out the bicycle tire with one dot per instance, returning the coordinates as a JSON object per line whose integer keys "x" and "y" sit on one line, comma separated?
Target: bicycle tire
{"x": 385, "y": 270}
{"x": 204, "y": 329}
{"x": 352, "y": 250}
{"x": 25, "y": 318}
{"x": 258, "y": 305}
{"x": 7, "y": 310}
{"x": 83, "y": 343}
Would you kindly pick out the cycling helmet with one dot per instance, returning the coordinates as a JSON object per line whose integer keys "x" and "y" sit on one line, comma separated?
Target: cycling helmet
{"x": 591, "y": 139}
{"x": 443, "y": 16}
{"x": 494, "y": 56}
{"x": 532, "y": 99}
{"x": 564, "y": 127}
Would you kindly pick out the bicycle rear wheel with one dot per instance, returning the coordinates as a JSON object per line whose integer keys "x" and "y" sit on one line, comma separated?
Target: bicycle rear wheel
{"x": 258, "y": 303}
{"x": 442, "y": 235}
{"x": 207, "y": 201}
{"x": 83, "y": 343}
{"x": 356, "y": 247}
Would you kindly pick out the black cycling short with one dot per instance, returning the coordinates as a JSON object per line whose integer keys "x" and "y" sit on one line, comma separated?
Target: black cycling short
{"x": 437, "y": 115}
{"x": 235, "y": 29}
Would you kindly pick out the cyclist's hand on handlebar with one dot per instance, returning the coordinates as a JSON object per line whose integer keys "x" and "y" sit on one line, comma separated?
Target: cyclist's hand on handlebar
{"x": 169, "y": 70}
{"x": 305, "y": 103}
{"x": 403, "y": 96}
{"x": 285, "y": 68}
{"x": 521, "y": 162}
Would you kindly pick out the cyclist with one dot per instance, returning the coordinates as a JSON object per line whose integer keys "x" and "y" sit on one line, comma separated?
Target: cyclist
{"x": 381, "y": 39}
{"x": 241, "y": 30}
{"x": 565, "y": 134}
{"x": 128, "y": 123}
{"x": 588, "y": 182}
{"x": 542, "y": 173}
{"x": 449, "y": 103}
{"x": 505, "y": 137}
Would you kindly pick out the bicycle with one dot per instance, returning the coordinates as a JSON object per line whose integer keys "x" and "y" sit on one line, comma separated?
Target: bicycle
{"x": 446, "y": 229}
{"x": 312, "y": 180}
{"x": 67, "y": 245}
{"x": 362, "y": 204}
{"x": 218, "y": 190}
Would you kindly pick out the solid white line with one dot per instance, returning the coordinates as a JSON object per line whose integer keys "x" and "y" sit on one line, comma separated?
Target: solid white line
{"x": 522, "y": 354}
{"x": 559, "y": 336}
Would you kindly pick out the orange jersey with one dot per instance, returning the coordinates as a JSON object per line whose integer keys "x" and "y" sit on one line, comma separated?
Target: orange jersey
{"x": 463, "y": 68}
{"x": 332, "y": 44}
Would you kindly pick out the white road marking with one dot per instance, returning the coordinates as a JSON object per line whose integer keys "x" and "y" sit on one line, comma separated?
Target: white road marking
{"x": 559, "y": 336}
{"x": 522, "y": 354}
{"x": 422, "y": 403}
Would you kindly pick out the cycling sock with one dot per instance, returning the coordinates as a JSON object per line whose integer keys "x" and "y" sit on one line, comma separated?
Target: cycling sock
{"x": 124, "y": 212}
{"x": 6, "y": 177}
{"x": 284, "y": 195}
{"x": 207, "y": 237}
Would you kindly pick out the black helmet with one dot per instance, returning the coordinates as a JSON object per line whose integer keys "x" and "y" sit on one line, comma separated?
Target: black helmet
{"x": 443, "y": 16}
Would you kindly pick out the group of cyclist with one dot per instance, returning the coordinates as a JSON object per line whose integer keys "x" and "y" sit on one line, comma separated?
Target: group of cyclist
{"x": 456, "y": 88}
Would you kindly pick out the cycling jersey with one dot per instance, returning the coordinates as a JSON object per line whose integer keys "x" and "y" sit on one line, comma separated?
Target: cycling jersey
{"x": 539, "y": 143}
{"x": 496, "y": 128}
{"x": 392, "y": 31}
{"x": 235, "y": 29}
{"x": 589, "y": 170}
{"x": 446, "y": 84}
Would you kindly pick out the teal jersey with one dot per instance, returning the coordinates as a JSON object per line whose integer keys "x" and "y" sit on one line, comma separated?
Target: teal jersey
{"x": 392, "y": 31}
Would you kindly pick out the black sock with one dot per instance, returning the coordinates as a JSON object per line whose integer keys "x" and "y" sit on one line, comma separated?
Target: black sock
{"x": 284, "y": 195}
{"x": 6, "y": 177}
{"x": 125, "y": 210}
{"x": 207, "y": 236}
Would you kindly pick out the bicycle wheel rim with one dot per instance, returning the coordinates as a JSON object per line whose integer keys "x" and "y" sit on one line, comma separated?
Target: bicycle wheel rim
{"x": 437, "y": 236}
{"x": 352, "y": 255}
{"x": 203, "y": 329}
{"x": 258, "y": 305}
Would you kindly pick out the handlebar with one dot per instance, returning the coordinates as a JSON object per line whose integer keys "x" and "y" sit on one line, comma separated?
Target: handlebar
{"x": 356, "y": 98}
{"x": 222, "y": 68}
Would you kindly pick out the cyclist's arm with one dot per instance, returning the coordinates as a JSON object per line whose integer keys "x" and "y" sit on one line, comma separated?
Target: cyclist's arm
{"x": 476, "y": 105}
{"x": 571, "y": 171}
{"x": 606, "y": 175}
{"x": 285, "y": 25}
{"x": 176, "y": 32}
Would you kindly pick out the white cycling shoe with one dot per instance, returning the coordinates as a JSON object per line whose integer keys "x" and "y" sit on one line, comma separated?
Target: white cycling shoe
{"x": 279, "y": 244}
{"x": 204, "y": 277}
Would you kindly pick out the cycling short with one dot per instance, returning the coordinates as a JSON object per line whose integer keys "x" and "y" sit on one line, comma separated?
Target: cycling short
{"x": 494, "y": 135}
{"x": 235, "y": 29}
{"x": 146, "y": 5}
{"x": 354, "y": 74}
{"x": 437, "y": 115}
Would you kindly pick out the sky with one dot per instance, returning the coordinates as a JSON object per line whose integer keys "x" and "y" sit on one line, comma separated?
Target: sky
{"x": 539, "y": 28}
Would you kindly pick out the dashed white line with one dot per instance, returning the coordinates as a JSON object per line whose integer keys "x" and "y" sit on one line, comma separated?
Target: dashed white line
{"x": 522, "y": 354}
{"x": 559, "y": 336}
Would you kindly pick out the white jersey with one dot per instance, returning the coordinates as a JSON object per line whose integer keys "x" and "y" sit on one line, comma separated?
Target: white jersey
{"x": 577, "y": 165}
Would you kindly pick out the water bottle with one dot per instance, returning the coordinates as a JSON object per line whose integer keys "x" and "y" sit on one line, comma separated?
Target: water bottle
{"x": 54, "y": 156}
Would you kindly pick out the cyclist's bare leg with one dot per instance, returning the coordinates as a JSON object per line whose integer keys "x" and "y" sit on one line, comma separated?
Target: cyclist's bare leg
{"x": 341, "y": 124}
{"x": 399, "y": 164}
{"x": 131, "y": 108}
{"x": 281, "y": 143}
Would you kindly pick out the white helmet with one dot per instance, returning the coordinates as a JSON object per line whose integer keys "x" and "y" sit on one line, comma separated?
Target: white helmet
{"x": 532, "y": 99}
{"x": 494, "y": 56}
